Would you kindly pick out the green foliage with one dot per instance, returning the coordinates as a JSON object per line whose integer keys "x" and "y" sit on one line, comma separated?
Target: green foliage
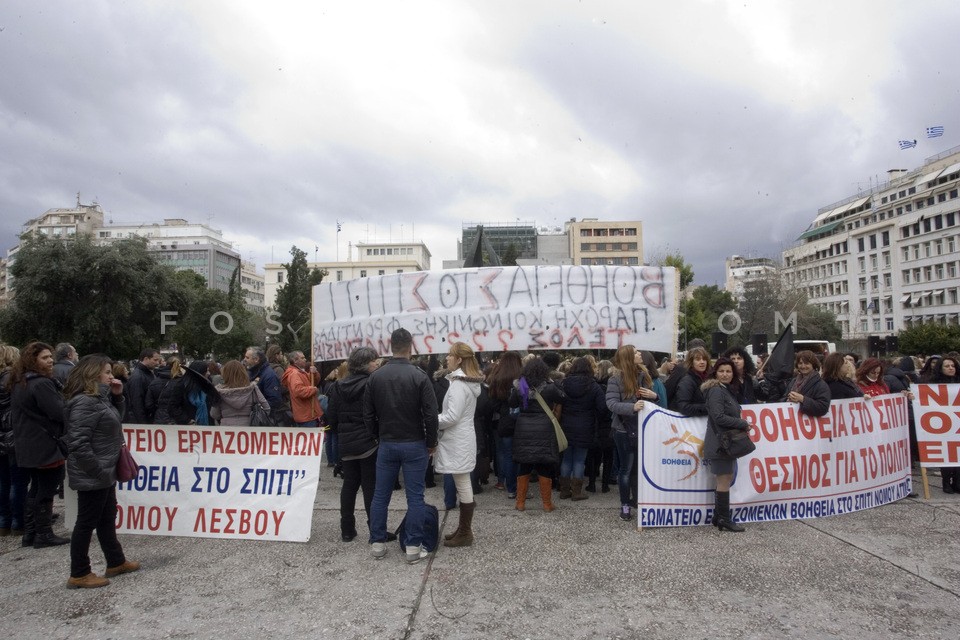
{"x": 510, "y": 255}
{"x": 294, "y": 302}
{"x": 684, "y": 270}
{"x": 702, "y": 310}
{"x": 215, "y": 325}
{"x": 765, "y": 298}
{"x": 103, "y": 299}
{"x": 928, "y": 339}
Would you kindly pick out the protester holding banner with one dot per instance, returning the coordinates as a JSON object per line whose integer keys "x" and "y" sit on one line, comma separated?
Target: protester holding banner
{"x": 807, "y": 388}
{"x": 457, "y": 443}
{"x": 723, "y": 418}
{"x": 870, "y": 378}
{"x": 583, "y": 410}
{"x": 95, "y": 405}
{"x": 238, "y": 396}
{"x": 358, "y": 447}
{"x": 838, "y": 373}
{"x": 626, "y": 392}
{"x": 947, "y": 371}
{"x": 688, "y": 399}
{"x": 535, "y": 446}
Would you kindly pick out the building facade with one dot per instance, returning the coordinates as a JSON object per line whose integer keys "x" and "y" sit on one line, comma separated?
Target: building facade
{"x": 886, "y": 259}
{"x": 372, "y": 259}
{"x": 742, "y": 271}
{"x": 252, "y": 284}
{"x": 184, "y": 246}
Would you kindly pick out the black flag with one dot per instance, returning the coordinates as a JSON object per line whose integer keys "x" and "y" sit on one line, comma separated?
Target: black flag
{"x": 780, "y": 363}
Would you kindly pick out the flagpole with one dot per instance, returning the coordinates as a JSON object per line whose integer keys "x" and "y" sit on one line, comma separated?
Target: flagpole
{"x": 338, "y": 241}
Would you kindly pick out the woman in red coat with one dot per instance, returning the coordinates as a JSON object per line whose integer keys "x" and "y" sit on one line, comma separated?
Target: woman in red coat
{"x": 870, "y": 379}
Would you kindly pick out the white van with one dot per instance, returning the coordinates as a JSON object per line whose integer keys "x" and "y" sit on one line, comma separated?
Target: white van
{"x": 819, "y": 347}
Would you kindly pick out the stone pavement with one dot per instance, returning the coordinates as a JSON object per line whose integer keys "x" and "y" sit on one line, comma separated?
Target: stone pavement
{"x": 580, "y": 572}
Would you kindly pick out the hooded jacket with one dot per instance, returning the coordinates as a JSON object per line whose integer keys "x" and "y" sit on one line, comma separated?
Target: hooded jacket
{"x": 457, "y": 439}
{"x": 94, "y": 437}
{"x": 345, "y": 416}
{"x": 235, "y": 405}
{"x": 723, "y": 414}
{"x": 584, "y": 408}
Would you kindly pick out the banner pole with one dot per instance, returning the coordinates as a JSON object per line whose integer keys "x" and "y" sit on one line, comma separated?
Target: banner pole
{"x": 925, "y": 483}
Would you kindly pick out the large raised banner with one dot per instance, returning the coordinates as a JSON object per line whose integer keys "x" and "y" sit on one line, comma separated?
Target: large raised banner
{"x": 936, "y": 412}
{"x": 254, "y": 483}
{"x": 855, "y": 457}
{"x": 500, "y": 308}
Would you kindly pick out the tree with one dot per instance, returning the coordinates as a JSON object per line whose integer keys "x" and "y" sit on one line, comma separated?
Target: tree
{"x": 930, "y": 338}
{"x": 510, "y": 255}
{"x": 214, "y": 325}
{"x": 684, "y": 270}
{"x": 102, "y": 299}
{"x": 294, "y": 302}
{"x": 766, "y": 297}
{"x": 703, "y": 309}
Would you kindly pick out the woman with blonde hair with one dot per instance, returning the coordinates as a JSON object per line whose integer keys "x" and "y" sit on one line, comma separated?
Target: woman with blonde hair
{"x": 238, "y": 396}
{"x": 457, "y": 444}
{"x": 13, "y": 481}
{"x": 95, "y": 406}
{"x": 626, "y": 392}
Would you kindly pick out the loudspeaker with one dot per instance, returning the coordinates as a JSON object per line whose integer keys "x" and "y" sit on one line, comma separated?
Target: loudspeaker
{"x": 874, "y": 344}
{"x": 758, "y": 342}
{"x": 719, "y": 343}
{"x": 893, "y": 344}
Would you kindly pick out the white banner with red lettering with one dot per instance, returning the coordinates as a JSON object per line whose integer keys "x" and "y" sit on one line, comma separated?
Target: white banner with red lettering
{"x": 499, "y": 309}
{"x": 253, "y": 483}
{"x": 936, "y": 412}
{"x": 855, "y": 457}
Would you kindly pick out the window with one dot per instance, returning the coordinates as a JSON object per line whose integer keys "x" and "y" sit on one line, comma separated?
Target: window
{"x": 873, "y": 241}
{"x": 381, "y": 272}
{"x": 339, "y": 276}
{"x": 863, "y": 264}
{"x": 363, "y": 273}
{"x": 889, "y": 324}
{"x": 873, "y": 262}
{"x": 942, "y": 197}
{"x": 906, "y": 276}
{"x": 860, "y": 244}
{"x": 906, "y": 253}
{"x": 887, "y": 280}
{"x": 885, "y": 238}
{"x": 399, "y": 270}
{"x": 279, "y": 276}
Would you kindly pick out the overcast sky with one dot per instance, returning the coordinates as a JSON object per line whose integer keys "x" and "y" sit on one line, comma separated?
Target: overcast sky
{"x": 722, "y": 126}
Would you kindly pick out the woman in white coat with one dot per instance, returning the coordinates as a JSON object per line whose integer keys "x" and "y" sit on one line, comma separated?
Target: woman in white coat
{"x": 457, "y": 446}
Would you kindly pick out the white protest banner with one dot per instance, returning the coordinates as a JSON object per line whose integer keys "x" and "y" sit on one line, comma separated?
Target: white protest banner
{"x": 855, "y": 457}
{"x": 254, "y": 483}
{"x": 936, "y": 412}
{"x": 500, "y": 308}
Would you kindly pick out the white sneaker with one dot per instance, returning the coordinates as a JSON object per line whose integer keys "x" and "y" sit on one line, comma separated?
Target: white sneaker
{"x": 378, "y": 549}
{"x": 416, "y": 554}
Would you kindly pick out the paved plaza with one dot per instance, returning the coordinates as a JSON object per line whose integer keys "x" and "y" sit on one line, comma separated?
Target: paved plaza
{"x": 579, "y": 572}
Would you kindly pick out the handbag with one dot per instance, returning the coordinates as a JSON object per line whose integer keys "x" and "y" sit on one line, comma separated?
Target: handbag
{"x": 127, "y": 467}
{"x": 736, "y": 443}
{"x": 561, "y": 438}
{"x": 259, "y": 417}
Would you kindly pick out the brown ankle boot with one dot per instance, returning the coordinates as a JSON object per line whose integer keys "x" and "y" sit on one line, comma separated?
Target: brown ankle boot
{"x": 576, "y": 489}
{"x": 464, "y": 534}
{"x": 565, "y": 488}
{"x": 546, "y": 493}
{"x": 523, "y": 485}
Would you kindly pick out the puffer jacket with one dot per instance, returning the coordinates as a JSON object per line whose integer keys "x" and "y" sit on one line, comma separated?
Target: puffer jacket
{"x": 236, "y": 403}
{"x": 457, "y": 439}
{"x": 345, "y": 416}
{"x": 723, "y": 414}
{"x": 624, "y": 418}
{"x": 583, "y": 409}
{"x": 534, "y": 439}
{"x": 94, "y": 437}
{"x": 157, "y": 400}
{"x": 689, "y": 399}
{"x": 37, "y": 414}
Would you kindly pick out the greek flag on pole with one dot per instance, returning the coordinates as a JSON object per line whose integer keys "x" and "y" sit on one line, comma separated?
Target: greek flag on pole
{"x": 934, "y": 132}
{"x": 907, "y": 144}
{"x": 338, "y": 227}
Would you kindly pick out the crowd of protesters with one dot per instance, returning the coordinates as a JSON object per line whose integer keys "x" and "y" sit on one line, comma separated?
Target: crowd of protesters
{"x": 474, "y": 422}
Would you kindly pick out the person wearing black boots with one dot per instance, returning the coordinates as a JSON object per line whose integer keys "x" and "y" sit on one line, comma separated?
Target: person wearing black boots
{"x": 723, "y": 415}
{"x": 36, "y": 407}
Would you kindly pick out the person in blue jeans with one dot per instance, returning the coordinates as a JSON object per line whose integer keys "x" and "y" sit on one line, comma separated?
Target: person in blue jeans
{"x": 583, "y": 409}
{"x": 400, "y": 408}
{"x": 500, "y": 381}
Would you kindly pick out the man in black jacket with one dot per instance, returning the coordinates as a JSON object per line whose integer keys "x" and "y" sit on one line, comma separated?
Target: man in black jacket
{"x": 400, "y": 410}
{"x": 136, "y": 389}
